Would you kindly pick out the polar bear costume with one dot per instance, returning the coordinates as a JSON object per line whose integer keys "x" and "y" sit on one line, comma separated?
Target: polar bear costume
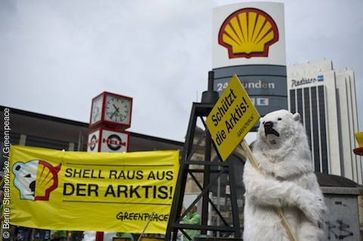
{"x": 285, "y": 179}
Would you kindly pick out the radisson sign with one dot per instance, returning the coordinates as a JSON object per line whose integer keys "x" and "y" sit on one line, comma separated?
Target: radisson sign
{"x": 306, "y": 81}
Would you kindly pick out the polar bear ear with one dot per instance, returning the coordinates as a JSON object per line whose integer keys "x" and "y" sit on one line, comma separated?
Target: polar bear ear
{"x": 296, "y": 116}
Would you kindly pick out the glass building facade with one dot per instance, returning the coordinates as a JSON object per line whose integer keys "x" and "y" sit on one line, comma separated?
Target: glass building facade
{"x": 306, "y": 102}
{"x": 326, "y": 100}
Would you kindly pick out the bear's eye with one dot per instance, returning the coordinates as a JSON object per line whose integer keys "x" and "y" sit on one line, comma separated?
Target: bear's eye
{"x": 28, "y": 176}
{"x": 279, "y": 119}
{"x": 263, "y": 122}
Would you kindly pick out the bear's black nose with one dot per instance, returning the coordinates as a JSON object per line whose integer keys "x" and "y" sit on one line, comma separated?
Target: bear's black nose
{"x": 268, "y": 124}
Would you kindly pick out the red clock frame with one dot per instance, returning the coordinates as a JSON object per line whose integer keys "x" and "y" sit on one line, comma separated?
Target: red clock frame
{"x": 107, "y": 123}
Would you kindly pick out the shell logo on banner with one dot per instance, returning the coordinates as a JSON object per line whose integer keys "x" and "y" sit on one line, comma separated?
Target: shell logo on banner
{"x": 35, "y": 179}
{"x": 248, "y": 32}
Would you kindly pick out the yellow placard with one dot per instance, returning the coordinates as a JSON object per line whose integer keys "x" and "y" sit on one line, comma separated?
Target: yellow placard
{"x": 121, "y": 192}
{"x": 231, "y": 118}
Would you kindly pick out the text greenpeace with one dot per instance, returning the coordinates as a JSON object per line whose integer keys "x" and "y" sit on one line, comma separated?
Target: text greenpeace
{"x": 92, "y": 191}
{"x": 231, "y": 118}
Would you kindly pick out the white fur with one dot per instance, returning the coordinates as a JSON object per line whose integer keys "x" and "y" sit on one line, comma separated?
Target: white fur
{"x": 285, "y": 180}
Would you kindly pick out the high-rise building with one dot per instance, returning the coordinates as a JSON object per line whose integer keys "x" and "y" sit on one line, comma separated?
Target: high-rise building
{"x": 326, "y": 101}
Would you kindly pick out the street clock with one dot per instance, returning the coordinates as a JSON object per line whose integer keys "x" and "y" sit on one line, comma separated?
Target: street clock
{"x": 111, "y": 110}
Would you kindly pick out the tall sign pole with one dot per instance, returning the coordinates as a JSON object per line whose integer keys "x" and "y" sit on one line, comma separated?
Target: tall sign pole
{"x": 110, "y": 117}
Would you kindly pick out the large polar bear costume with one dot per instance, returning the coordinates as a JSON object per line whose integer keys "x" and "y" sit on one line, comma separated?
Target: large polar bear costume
{"x": 285, "y": 179}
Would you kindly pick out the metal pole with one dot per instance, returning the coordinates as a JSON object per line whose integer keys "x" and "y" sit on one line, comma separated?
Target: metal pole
{"x": 218, "y": 201}
{"x": 207, "y": 158}
{"x": 206, "y": 180}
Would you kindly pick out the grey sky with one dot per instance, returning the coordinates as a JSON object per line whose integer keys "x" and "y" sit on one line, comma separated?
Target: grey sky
{"x": 55, "y": 56}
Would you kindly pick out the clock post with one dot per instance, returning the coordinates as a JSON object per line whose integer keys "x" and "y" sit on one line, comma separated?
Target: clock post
{"x": 110, "y": 117}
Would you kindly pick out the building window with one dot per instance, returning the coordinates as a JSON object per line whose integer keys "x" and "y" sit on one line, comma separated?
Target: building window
{"x": 292, "y": 101}
{"x": 300, "y": 104}
{"x": 315, "y": 130}
{"x": 324, "y": 148}
{"x": 307, "y": 108}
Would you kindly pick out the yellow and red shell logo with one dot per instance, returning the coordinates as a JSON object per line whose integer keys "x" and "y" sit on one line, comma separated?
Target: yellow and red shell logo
{"x": 35, "y": 179}
{"x": 248, "y": 32}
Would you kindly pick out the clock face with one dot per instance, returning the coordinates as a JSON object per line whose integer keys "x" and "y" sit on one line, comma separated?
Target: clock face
{"x": 96, "y": 109}
{"x": 117, "y": 109}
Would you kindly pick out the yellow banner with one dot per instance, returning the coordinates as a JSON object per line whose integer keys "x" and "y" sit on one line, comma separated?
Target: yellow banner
{"x": 122, "y": 192}
{"x": 231, "y": 118}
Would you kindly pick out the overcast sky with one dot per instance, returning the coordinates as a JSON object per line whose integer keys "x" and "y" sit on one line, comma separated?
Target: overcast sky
{"x": 55, "y": 56}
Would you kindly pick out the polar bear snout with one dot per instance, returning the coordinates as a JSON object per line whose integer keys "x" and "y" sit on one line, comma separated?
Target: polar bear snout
{"x": 32, "y": 186}
{"x": 268, "y": 126}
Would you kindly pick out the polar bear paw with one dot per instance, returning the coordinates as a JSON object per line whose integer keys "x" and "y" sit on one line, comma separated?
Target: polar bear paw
{"x": 313, "y": 208}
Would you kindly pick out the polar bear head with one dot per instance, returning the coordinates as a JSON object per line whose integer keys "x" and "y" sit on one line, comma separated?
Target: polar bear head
{"x": 281, "y": 132}
{"x": 25, "y": 177}
{"x": 278, "y": 127}
{"x": 281, "y": 140}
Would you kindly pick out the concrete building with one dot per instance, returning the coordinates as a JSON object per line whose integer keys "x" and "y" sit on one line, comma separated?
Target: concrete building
{"x": 326, "y": 100}
{"x": 38, "y": 130}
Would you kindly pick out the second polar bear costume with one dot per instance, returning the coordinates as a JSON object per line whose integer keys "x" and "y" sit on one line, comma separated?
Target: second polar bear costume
{"x": 285, "y": 179}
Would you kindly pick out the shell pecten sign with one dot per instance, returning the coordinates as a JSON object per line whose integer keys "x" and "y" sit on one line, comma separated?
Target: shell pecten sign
{"x": 248, "y": 32}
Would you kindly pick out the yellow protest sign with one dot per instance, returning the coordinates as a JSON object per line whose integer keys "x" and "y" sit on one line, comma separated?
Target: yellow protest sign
{"x": 122, "y": 192}
{"x": 231, "y": 118}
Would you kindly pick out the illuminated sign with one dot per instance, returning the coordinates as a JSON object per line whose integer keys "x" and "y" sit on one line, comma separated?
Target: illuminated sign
{"x": 248, "y": 32}
{"x": 249, "y": 41}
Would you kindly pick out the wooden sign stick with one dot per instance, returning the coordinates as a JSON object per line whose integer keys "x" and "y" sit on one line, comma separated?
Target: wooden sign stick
{"x": 248, "y": 153}
{"x": 143, "y": 231}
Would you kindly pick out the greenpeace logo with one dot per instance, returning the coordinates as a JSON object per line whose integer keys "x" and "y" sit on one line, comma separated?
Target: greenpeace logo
{"x": 133, "y": 216}
{"x": 305, "y": 81}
